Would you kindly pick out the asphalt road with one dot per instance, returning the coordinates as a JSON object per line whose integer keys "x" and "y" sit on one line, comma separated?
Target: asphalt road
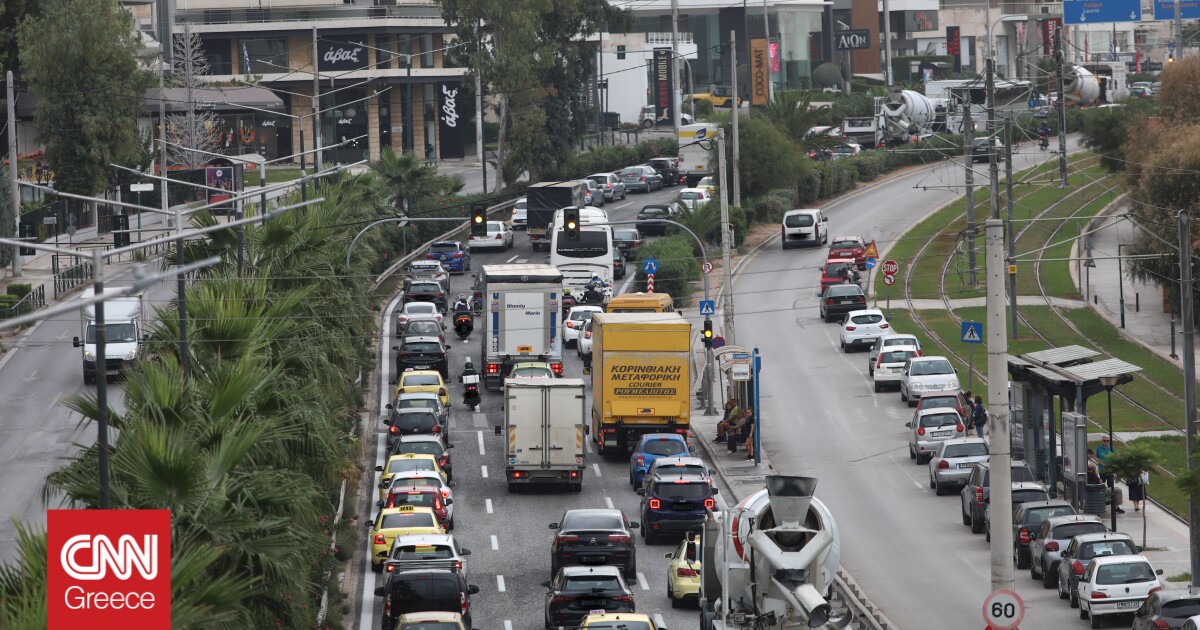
{"x": 906, "y": 547}
{"x": 508, "y": 534}
{"x": 37, "y": 431}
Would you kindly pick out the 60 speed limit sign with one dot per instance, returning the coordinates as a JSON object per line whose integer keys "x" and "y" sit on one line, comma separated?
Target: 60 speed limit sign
{"x": 1003, "y": 610}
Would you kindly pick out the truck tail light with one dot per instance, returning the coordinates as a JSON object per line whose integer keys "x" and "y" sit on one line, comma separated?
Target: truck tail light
{"x": 557, "y": 368}
{"x": 492, "y": 368}
{"x": 518, "y": 475}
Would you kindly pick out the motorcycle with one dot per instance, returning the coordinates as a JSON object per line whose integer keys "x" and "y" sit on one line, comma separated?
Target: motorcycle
{"x": 1043, "y": 141}
{"x": 464, "y": 323}
{"x": 471, "y": 395}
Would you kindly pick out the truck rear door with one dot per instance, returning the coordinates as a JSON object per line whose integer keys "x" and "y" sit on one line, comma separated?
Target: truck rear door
{"x": 524, "y": 323}
{"x": 525, "y": 426}
{"x": 564, "y": 427}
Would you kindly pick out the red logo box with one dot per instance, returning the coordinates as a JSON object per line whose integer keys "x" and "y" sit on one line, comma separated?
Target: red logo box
{"x": 108, "y": 569}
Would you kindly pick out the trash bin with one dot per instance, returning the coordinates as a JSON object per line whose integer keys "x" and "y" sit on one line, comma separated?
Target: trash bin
{"x": 1095, "y": 498}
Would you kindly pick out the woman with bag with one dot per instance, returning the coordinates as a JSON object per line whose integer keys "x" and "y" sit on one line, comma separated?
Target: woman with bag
{"x": 1137, "y": 489}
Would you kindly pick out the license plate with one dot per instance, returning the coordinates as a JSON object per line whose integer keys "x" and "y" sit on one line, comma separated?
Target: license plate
{"x": 940, "y": 433}
{"x": 421, "y": 367}
{"x": 597, "y": 611}
{"x": 592, "y": 603}
{"x": 964, "y": 465}
{"x": 1133, "y": 604}
{"x": 113, "y": 372}
{"x": 592, "y": 558}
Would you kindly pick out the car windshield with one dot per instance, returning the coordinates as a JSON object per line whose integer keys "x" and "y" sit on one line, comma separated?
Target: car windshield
{"x": 626, "y": 235}
{"x": 869, "y": 318}
{"x": 592, "y": 521}
{"x": 599, "y": 179}
{"x": 631, "y": 172}
{"x": 798, "y": 220}
{"x": 521, "y": 205}
{"x": 680, "y": 469}
{"x": 420, "y": 307}
{"x": 430, "y": 625}
{"x": 405, "y": 465}
{"x": 423, "y": 328}
{"x": 664, "y": 446}
{"x": 1180, "y": 608}
{"x": 423, "y": 347}
{"x": 1037, "y": 516}
{"x": 421, "y": 448}
{"x": 424, "y": 287}
{"x": 444, "y": 248}
{"x": 422, "y": 552}
{"x": 1067, "y": 532}
{"x": 968, "y": 449}
{"x": 691, "y": 195}
{"x": 619, "y": 625}
{"x": 833, "y": 270}
{"x": 587, "y": 583}
{"x": 652, "y": 214}
{"x": 414, "y": 498}
{"x": 688, "y": 491}
{"x": 932, "y": 368}
{"x": 591, "y": 243}
{"x": 416, "y": 380}
{"x": 1125, "y": 573}
{"x": 1022, "y": 473}
{"x": 494, "y": 227}
{"x": 406, "y": 519}
{"x": 419, "y": 403}
{"x": 843, "y": 290}
{"x": 939, "y": 419}
{"x": 899, "y": 341}
{"x": 423, "y": 269}
{"x": 845, "y": 244}
{"x": 896, "y": 356}
{"x": 929, "y": 402}
{"x": 415, "y": 420}
{"x": 581, "y": 316}
{"x": 1025, "y": 496}
{"x": 113, "y": 333}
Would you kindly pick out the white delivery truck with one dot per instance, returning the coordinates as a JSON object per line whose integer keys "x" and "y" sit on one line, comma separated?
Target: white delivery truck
{"x": 521, "y": 305}
{"x": 124, "y": 333}
{"x": 544, "y": 420}
{"x": 695, "y": 144}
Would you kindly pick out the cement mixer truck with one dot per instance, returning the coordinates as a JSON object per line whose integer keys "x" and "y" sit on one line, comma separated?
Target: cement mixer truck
{"x": 769, "y": 563}
{"x": 1080, "y": 87}
{"x": 904, "y": 116}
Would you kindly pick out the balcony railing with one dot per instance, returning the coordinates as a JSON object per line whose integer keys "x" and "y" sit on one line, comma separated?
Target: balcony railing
{"x": 260, "y": 16}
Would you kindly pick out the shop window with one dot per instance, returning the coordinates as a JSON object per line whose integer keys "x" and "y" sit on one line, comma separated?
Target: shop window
{"x": 427, "y": 50}
{"x": 431, "y": 124}
{"x": 219, "y": 53}
{"x": 385, "y": 121}
{"x": 264, "y": 56}
{"x": 383, "y": 52}
{"x": 403, "y": 50}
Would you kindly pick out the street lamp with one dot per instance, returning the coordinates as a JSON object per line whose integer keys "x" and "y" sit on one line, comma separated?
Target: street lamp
{"x": 1109, "y": 382}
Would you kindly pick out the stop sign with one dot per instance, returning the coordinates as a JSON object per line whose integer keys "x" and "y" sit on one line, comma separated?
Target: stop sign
{"x": 890, "y": 267}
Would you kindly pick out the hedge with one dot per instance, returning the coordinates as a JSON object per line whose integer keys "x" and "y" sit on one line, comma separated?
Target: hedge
{"x": 20, "y": 290}
{"x": 678, "y": 266}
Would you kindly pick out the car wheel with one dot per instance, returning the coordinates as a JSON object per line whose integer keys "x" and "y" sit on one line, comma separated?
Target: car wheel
{"x": 987, "y": 532}
{"x": 1083, "y": 613}
{"x": 450, "y": 524}
{"x": 1095, "y": 621}
{"x": 870, "y": 368}
{"x": 512, "y": 488}
{"x": 912, "y": 402}
{"x": 1073, "y": 599}
{"x": 631, "y": 572}
{"x": 903, "y": 395}
{"x": 965, "y": 518}
{"x": 1023, "y": 563}
{"x": 976, "y": 525}
{"x": 1048, "y": 580}
{"x": 938, "y": 489}
{"x": 1061, "y": 593}
{"x": 911, "y": 453}
{"x": 877, "y": 387}
{"x": 675, "y": 603}
{"x": 932, "y": 483}
{"x": 376, "y": 568}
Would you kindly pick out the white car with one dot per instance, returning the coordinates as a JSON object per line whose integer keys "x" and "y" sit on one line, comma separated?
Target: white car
{"x": 1193, "y": 623}
{"x": 929, "y": 428}
{"x": 889, "y": 364}
{"x": 1116, "y": 585}
{"x": 862, "y": 328}
{"x": 583, "y": 345}
{"x": 418, "y": 308}
{"x": 804, "y": 227}
{"x": 427, "y": 551}
{"x": 426, "y": 270}
{"x": 576, "y": 319}
{"x": 520, "y": 214}
{"x": 693, "y": 198}
{"x": 890, "y": 341}
{"x": 498, "y": 237}
{"x": 951, "y": 463}
{"x": 614, "y": 188}
{"x": 927, "y": 375}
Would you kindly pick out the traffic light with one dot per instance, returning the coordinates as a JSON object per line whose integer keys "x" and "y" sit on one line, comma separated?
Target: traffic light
{"x": 1171, "y": 58}
{"x": 479, "y": 219}
{"x": 571, "y": 224}
{"x": 707, "y": 335}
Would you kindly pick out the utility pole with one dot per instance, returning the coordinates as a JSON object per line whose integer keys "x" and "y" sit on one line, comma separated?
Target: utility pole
{"x": 101, "y": 380}
{"x": 968, "y": 161}
{"x": 316, "y": 103}
{"x": 479, "y": 148}
{"x": 15, "y": 193}
{"x": 993, "y": 167}
{"x": 737, "y": 183}
{"x": 727, "y": 285}
{"x": 887, "y": 46}
{"x": 1059, "y": 66}
{"x": 1179, "y": 49}
{"x": 165, "y": 201}
{"x": 599, "y": 101}
{"x": 998, "y": 440}
{"x": 1012, "y": 247}
{"x": 676, "y": 95}
{"x": 1187, "y": 315}
{"x": 767, "y": 38}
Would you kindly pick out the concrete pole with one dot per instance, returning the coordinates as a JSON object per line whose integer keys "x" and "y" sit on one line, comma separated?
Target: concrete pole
{"x": 15, "y": 192}
{"x": 1179, "y": 52}
{"x": 998, "y": 441}
{"x": 677, "y": 85}
{"x": 887, "y": 45}
{"x": 1012, "y": 247}
{"x": 165, "y": 201}
{"x": 969, "y": 162}
{"x": 1059, "y": 63}
{"x": 101, "y": 379}
{"x": 1187, "y": 314}
{"x": 316, "y": 104}
{"x": 727, "y": 286}
{"x": 767, "y": 37}
{"x": 737, "y": 179}
{"x": 993, "y": 166}
{"x": 479, "y": 148}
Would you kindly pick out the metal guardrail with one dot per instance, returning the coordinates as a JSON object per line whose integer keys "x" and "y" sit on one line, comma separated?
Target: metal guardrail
{"x": 32, "y": 301}
{"x": 68, "y": 278}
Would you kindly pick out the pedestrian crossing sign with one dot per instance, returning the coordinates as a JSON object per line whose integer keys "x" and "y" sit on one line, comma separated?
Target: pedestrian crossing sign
{"x": 972, "y": 332}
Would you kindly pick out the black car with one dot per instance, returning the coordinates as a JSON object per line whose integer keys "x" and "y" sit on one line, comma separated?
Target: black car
{"x": 838, "y": 300}
{"x": 979, "y": 150}
{"x": 976, "y": 493}
{"x": 577, "y": 591}
{"x": 422, "y": 353}
{"x": 1166, "y": 608}
{"x": 425, "y": 590}
{"x": 618, "y": 264}
{"x": 594, "y": 536}
{"x": 668, "y": 168}
{"x": 648, "y": 213}
{"x": 627, "y": 239}
{"x": 1027, "y": 517}
{"x": 411, "y": 422}
{"x": 674, "y": 503}
{"x": 426, "y": 291}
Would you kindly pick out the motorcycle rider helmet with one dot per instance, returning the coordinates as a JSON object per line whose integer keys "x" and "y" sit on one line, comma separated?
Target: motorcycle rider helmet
{"x": 468, "y": 365}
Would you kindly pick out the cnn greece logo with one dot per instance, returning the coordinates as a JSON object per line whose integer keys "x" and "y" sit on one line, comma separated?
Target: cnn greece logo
{"x": 110, "y": 568}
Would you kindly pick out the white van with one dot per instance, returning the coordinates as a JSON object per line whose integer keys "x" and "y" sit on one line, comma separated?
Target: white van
{"x": 804, "y": 227}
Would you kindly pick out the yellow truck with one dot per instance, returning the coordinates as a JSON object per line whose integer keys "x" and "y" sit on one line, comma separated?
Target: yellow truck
{"x": 641, "y": 377}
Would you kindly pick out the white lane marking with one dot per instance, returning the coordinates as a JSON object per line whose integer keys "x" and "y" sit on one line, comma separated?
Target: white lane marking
{"x": 500, "y": 583}
{"x": 495, "y": 543}
{"x": 630, "y": 203}
{"x": 642, "y": 581}
{"x": 488, "y": 504}
{"x": 507, "y": 625}
{"x": 658, "y": 621}
{"x": 512, "y": 259}
{"x": 479, "y": 434}
{"x": 608, "y": 502}
{"x": 367, "y": 598}
{"x": 596, "y": 467}
{"x": 483, "y": 471}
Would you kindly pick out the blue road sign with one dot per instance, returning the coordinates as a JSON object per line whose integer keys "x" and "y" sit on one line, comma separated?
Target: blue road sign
{"x": 972, "y": 332}
{"x": 650, "y": 266}
{"x": 1101, "y": 11}
{"x": 1165, "y": 10}
{"x": 870, "y": 263}
{"x": 708, "y": 307}
{"x": 718, "y": 343}
{"x": 1170, "y": 45}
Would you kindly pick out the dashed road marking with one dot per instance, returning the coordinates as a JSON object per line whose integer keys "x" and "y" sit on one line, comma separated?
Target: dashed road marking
{"x": 500, "y": 583}
{"x": 608, "y": 502}
{"x": 483, "y": 471}
{"x": 658, "y": 620}
{"x": 642, "y": 581}
{"x": 479, "y": 435}
{"x": 507, "y": 625}
{"x": 596, "y": 467}
{"x": 495, "y": 543}
{"x": 487, "y": 503}
{"x": 512, "y": 259}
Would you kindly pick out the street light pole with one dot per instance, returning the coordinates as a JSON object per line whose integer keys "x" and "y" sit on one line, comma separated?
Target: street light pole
{"x": 726, "y": 258}
{"x": 15, "y": 193}
{"x": 1188, "y": 317}
{"x": 1109, "y": 382}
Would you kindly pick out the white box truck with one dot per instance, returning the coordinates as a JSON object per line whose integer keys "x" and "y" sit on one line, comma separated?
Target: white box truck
{"x": 544, "y": 420}
{"x": 521, "y": 305}
{"x": 694, "y": 151}
{"x": 124, "y": 333}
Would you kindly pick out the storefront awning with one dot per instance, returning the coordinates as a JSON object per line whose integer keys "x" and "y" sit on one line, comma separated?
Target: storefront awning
{"x": 219, "y": 99}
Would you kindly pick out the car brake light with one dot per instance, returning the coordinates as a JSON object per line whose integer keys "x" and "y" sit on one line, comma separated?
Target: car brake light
{"x": 883, "y": 325}
{"x": 1051, "y": 546}
{"x": 379, "y": 540}
{"x": 979, "y": 496}
{"x": 1023, "y": 536}
{"x": 655, "y": 504}
{"x": 860, "y": 298}
{"x": 943, "y": 465}
{"x": 879, "y": 360}
{"x": 959, "y": 427}
{"x": 462, "y": 604}
{"x": 439, "y": 296}
{"x": 437, "y": 428}
{"x": 499, "y": 237}
{"x": 1154, "y": 590}
{"x": 571, "y": 324}
{"x": 643, "y": 179}
{"x": 849, "y": 328}
{"x": 641, "y": 460}
{"x": 618, "y": 538}
{"x": 562, "y": 599}
{"x": 557, "y": 368}
{"x": 622, "y": 598}
{"x": 431, "y": 256}
{"x": 710, "y": 503}
{"x": 1099, "y": 595}
{"x": 443, "y": 460}
{"x": 445, "y": 494}
{"x": 389, "y": 568}
{"x": 829, "y": 301}
{"x": 565, "y": 538}
{"x": 1076, "y": 567}
{"x": 920, "y": 430}
{"x": 441, "y": 391}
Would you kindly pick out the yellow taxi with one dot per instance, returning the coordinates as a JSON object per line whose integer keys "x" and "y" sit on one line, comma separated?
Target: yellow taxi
{"x": 708, "y": 183}
{"x": 431, "y": 621}
{"x": 423, "y": 381}
{"x": 404, "y": 520}
{"x": 619, "y": 621}
{"x": 683, "y": 572}
{"x": 405, "y": 462}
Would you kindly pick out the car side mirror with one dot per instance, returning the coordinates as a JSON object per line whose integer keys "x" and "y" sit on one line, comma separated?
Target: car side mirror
{"x": 380, "y": 591}
{"x": 824, "y": 219}
{"x": 379, "y": 469}
{"x": 449, "y": 501}
{"x": 634, "y": 524}
{"x": 369, "y": 524}
{"x": 547, "y": 584}
{"x": 553, "y": 525}
{"x": 452, "y": 484}
{"x": 391, "y": 381}
{"x": 715, "y": 490}
{"x": 908, "y": 424}
{"x": 383, "y": 485}
{"x": 449, "y": 446}
{"x": 1137, "y": 549}
{"x": 388, "y": 406}
{"x": 464, "y": 552}
{"x": 472, "y": 589}
{"x": 75, "y": 342}
{"x": 379, "y": 504}
{"x": 641, "y": 492}
{"x": 387, "y": 421}
{"x": 1158, "y": 572}
{"x": 396, "y": 348}
{"x": 497, "y": 429}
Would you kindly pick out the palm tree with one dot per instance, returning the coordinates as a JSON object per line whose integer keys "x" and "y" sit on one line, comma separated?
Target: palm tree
{"x": 790, "y": 112}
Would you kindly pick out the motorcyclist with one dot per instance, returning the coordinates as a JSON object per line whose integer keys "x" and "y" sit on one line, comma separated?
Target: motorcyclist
{"x": 470, "y": 390}
{"x": 462, "y": 305}
{"x": 849, "y": 275}
{"x": 592, "y": 293}
{"x": 1044, "y": 134}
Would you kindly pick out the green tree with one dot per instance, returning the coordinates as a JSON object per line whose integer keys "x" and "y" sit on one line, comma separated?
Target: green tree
{"x": 8, "y": 219}
{"x": 769, "y": 159}
{"x": 1106, "y": 131}
{"x": 12, "y": 13}
{"x": 79, "y": 58}
{"x": 405, "y": 180}
{"x": 1129, "y": 462}
{"x": 790, "y": 112}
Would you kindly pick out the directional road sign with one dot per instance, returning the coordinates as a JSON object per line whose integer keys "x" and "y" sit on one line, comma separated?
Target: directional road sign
{"x": 1003, "y": 610}
{"x": 141, "y": 188}
{"x": 972, "y": 332}
{"x": 1102, "y": 11}
{"x": 889, "y": 279}
{"x": 650, "y": 265}
{"x": 890, "y": 267}
{"x": 708, "y": 307}
{"x": 869, "y": 263}
{"x": 718, "y": 343}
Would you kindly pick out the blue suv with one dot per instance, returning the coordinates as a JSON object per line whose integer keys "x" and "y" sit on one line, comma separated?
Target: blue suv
{"x": 674, "y": 503}
{"x": 651, "y": 447}
{"x": 453, "y": 255}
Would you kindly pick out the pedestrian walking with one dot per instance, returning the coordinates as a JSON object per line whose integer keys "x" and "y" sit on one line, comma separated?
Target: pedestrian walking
{"x": 979, "y": 416}
{"x": 1137, "y": 489}
{"x": 748, "y": 433}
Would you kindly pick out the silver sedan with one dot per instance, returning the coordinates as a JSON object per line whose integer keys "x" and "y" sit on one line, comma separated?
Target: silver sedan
{"x": 950, "y": 465}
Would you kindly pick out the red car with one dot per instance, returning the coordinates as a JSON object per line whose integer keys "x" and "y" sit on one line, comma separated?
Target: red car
{"x": 849, "y": 247}
{"x": 419, "y": 496}
{"x": 831, "y": 271}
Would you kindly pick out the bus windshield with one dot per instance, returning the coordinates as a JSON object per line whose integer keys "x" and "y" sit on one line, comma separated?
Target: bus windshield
{"x": 591, "y": 244}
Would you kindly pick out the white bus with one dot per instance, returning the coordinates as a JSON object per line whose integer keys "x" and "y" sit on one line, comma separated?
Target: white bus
{"x": 578, "y": 261}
